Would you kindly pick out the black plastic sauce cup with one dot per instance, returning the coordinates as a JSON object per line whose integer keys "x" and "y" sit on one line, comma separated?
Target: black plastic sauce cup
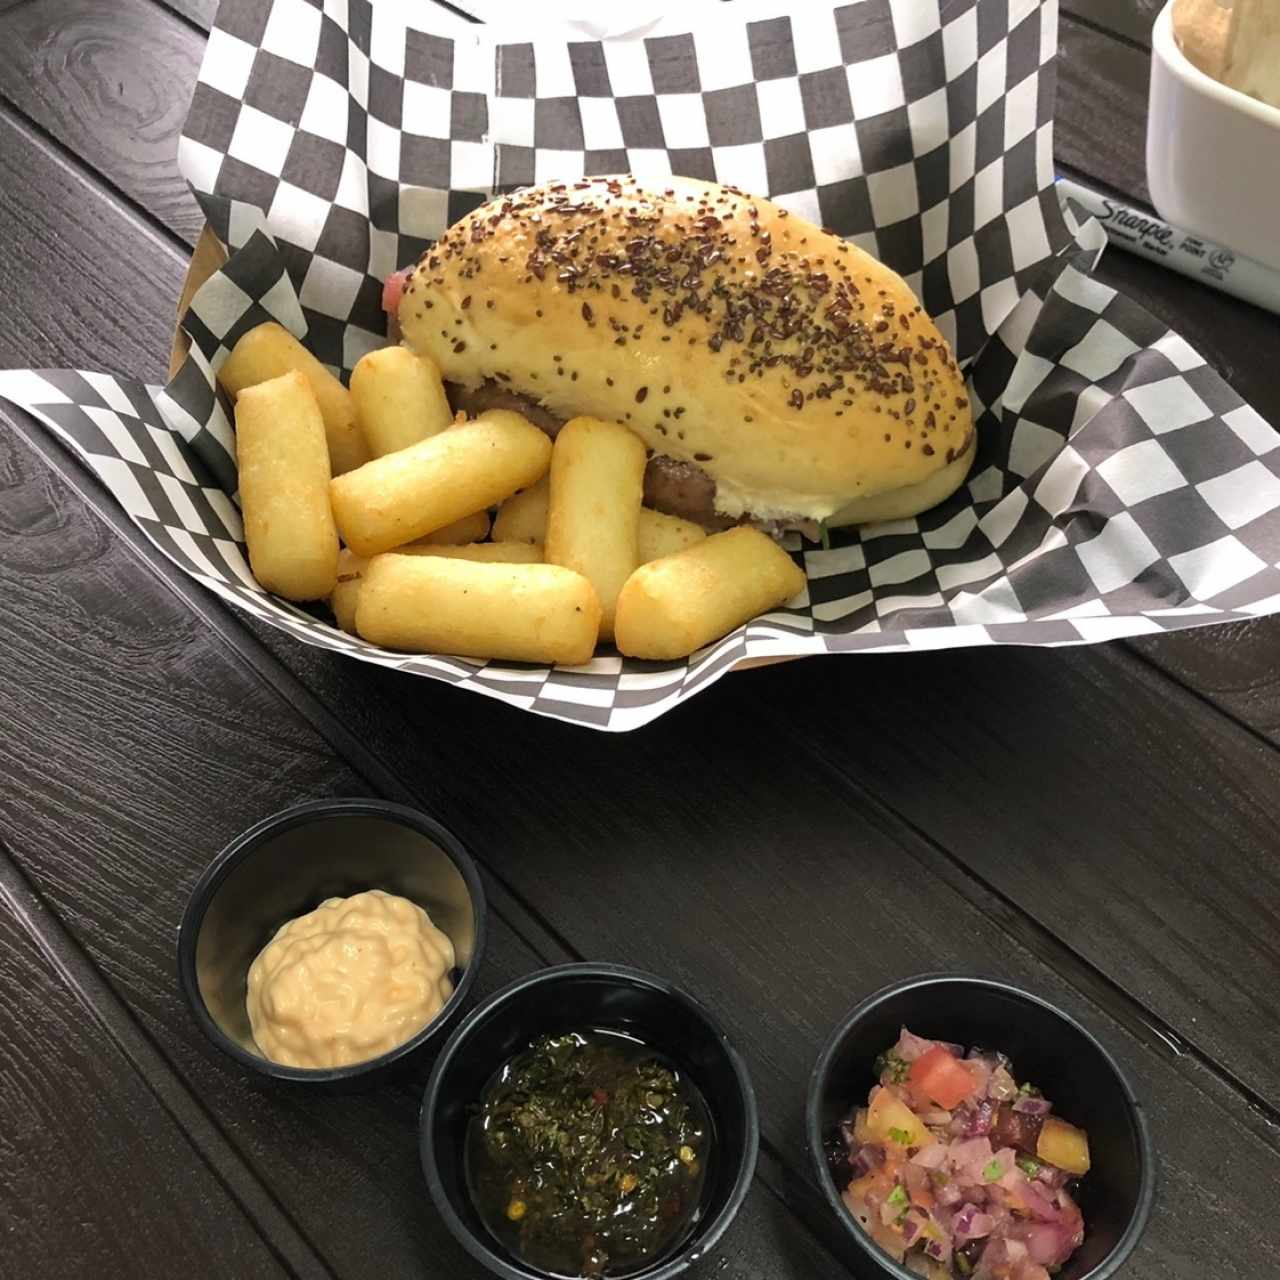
{"x": 287, "y": 865}
{"x": 1048, "y": 1048}
{"x": 584, "y": 997}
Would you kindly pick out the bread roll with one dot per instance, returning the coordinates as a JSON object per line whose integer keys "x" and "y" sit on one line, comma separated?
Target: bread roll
{"x": 799, "y": 373}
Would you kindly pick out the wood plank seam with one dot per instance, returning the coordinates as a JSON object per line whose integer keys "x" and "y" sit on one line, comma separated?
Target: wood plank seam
{"x": 281, "y": 1235}
{"x": 87, "y": 173}
{"x": 182, "y": 16}
{"x": 1110, "y": 33}
{"x": 1144, "y": 1024}
{"x": 774, "y": 1170}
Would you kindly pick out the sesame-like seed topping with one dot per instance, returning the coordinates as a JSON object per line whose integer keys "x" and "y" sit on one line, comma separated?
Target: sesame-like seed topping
{"x": 805, "y": 318}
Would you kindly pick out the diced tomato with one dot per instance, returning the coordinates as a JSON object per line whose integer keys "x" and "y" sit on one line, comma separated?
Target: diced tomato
{"x": 393, "y": 289}
{"x": 942, "y": 1078}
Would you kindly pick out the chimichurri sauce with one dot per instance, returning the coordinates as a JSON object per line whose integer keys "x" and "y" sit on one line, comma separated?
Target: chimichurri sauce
{"x": 588, "y": 1155}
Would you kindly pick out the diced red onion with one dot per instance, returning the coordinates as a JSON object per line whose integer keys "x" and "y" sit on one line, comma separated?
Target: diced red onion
{"x": 913, "y": 1224}
{"x": 910, "y": 1047}
{"x": 1047, "y": 1243}
{"x": 980, "y": 1119}
{"x": 949, "y": 1194}
{"x": 936, "y": 1117}
{"x": 890, "y": 1212}
{"x": 1033, "y": 1106}
{"x": 931, "y": 1157}
{"x": 1016, "y": 1129}
{"x": 969, "y": 1158}
{"x": 971, "y": 1224}
{"x": 1001, "y": 1086}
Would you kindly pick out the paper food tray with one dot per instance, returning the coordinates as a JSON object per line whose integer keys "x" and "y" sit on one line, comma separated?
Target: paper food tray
{"x": 1121, "y": 487}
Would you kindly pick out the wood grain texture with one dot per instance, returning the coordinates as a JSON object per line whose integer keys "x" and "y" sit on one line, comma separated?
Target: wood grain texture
{"x": 1100, "y": 127}
{"x": 1235, "y": 668}
{"x": 82, "y": 306}
{"x": 111, "y": 82}
{"x": 200, "y": 13}
{"x": 1154, "y": 841}
{"x": 1128, "y": 19}
{"x": 201, "y": 749}
{"x": 74, "y": 1110}
{"x": 767, "y": 886}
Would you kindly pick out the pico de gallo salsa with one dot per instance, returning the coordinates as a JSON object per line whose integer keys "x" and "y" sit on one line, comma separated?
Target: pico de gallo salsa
{"x": 958, "y": 1170}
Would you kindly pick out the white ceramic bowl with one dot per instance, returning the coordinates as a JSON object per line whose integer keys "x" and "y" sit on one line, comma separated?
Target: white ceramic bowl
{"x": 1213, "y": 154}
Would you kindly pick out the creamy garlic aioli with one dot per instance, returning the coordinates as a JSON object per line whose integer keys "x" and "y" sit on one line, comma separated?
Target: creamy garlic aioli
{"x": 348, "y": 981}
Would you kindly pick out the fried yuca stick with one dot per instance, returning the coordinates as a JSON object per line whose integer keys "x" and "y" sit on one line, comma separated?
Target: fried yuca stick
{"x": 472, "y": 528}
{"x": 283, "y": 462}
{"x": 670, "y": 607}
{"x": 593, "y": 510}
{"x": 351, "y": 568}
{"x": 408, "y": 494}
{"x": 431, "y": 603}
{"x": 523, "y": 518}
{"x": 269, "y": 350}
{"x": 399, "y": 399}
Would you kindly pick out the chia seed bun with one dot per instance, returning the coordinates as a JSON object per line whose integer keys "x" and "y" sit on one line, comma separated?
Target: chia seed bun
{"x": 801, "y": 375}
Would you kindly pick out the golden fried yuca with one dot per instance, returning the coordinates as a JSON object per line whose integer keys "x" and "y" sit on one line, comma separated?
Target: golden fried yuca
{"x": 539, "y": 613}
{"x": 284, "y": 488}
{"x": 472, "y": 528}
{"x": 491, "y": 552}
{"x": 406, "y": 495}
{"x": 662, "y": 535}
{"x": 673, "y": 606}
{"x": 523, "y": 518}
{"x": 347, "y": 589}
{"x": 593, "y": 511}
{"x": 351, "y": 568}
{"x": 269, "y": 350}
{"x": 399, "y": 399}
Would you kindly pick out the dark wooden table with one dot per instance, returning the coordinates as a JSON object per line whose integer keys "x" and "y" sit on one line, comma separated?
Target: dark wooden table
{"x": 1099, "y": 825}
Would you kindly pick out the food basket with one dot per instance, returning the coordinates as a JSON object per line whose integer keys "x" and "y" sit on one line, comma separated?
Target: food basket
{"x": 1121, "y": 487}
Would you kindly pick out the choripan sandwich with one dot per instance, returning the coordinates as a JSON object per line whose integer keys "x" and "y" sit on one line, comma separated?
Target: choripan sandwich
{"x": 776, "y": 374}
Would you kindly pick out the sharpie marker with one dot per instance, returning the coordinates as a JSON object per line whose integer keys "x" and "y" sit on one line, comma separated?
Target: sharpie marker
{"x": 1146, "y": 235}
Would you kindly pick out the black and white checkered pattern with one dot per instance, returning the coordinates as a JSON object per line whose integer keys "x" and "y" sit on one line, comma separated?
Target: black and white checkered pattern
{"x": 920, "y": 129}
{"x": 1121, "y": 487}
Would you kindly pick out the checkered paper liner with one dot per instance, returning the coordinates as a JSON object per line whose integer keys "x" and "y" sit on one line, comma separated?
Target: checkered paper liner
{"x": 1121, "y": 487}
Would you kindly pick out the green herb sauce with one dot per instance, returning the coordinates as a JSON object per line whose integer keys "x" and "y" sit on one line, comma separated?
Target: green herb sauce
{"x": 588, "y": 1155}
